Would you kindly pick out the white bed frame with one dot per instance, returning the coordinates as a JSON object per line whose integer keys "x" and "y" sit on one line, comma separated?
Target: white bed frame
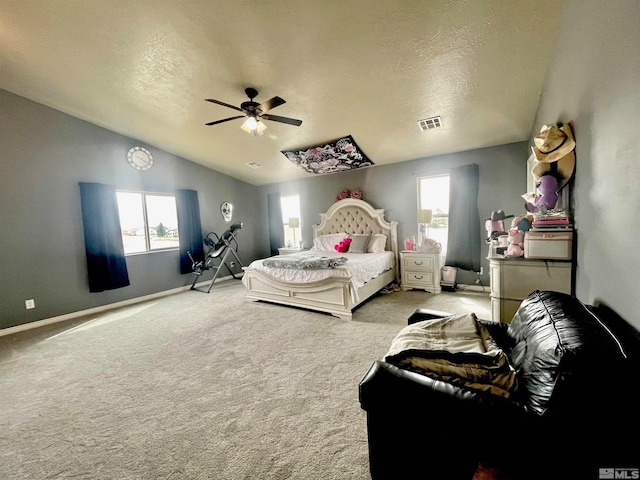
{"x": 332, "y": 295}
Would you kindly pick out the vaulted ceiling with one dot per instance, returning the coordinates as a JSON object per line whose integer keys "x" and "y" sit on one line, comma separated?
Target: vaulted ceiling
{"x": 370, "y": 69}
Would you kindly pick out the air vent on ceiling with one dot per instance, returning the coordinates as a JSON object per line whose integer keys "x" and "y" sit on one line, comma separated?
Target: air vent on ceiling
{"x": 430, "y": 123}
{"x": 253, "y": 165}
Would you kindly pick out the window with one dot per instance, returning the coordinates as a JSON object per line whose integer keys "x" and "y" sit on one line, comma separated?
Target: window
{"x": 149, "y": 221}
{"x": 433, "y": 194}
{"x": 291, "y": 213}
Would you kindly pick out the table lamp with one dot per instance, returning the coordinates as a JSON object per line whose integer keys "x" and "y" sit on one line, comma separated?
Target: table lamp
{"x": 424, "y": 218}
{"x": 294, "y": 223}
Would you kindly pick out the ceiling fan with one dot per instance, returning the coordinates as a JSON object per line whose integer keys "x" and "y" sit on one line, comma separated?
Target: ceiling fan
{"x": 255, "y": 112}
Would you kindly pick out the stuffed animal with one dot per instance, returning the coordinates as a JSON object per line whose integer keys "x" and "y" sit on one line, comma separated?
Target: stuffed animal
{"x": 516, "y": 243}
{"x": 343, "y": 246}
{"x": 547, "y": 196}
{"x": 522, "y": 222}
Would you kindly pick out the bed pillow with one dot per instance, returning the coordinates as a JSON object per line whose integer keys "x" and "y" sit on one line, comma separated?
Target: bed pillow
{"x": 377, "y": 243}
{"x": 325, "y": 243}
{"x": 359, "y": 243}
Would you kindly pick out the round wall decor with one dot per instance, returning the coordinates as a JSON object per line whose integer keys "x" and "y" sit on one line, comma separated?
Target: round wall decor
{"x": 140, "y": 158}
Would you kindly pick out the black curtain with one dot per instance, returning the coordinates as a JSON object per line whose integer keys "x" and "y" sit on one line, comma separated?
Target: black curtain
{"x": 463, "y": 250}
{"x": 276, "y": 232}
{"x": 189, "y": 229}
{"x": 106, "y": 264}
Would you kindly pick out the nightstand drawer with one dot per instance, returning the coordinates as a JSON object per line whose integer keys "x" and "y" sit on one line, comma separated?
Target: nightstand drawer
{"x": 419, "y": 263}
{"x": 418, "y": 278}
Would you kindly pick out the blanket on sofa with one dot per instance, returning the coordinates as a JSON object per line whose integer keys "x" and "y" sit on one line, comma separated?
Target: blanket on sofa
{"x": 456, "y": 349}
{"x": 291, "y": 261}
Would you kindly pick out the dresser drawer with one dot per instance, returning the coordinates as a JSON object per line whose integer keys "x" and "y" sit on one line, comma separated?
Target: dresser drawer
{"x": 519, "y": 280}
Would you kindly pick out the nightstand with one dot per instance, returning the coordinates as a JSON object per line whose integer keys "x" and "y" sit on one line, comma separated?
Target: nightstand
{"x": 290, "y": 250}
{"x": 421, "y": 270}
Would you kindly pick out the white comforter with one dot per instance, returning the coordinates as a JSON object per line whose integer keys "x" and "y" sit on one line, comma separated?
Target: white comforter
{"x": 360, "y": 268}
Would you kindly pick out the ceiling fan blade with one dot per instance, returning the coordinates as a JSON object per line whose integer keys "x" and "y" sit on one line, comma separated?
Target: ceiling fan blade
{"x": 276, "y": 118}
{"x": 224, "y": 120}
{"x": 223, "y": 104}
{"x": 271, "y": 103}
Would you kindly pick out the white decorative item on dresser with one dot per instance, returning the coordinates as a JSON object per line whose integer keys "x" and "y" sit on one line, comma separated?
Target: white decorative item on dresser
{"x": 421, "y": 270}
{"x": 513, "y": 279}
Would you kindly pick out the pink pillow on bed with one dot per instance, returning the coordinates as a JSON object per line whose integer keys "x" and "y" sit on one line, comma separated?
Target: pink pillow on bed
{"x": 343, "y": 246}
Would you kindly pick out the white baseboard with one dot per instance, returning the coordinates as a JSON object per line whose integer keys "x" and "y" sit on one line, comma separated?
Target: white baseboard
{"x": 102, "y": 308}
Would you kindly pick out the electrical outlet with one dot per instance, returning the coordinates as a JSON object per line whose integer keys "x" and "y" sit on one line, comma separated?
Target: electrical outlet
{"x": 29, "y": 304}
{"x": 481, "y": 270}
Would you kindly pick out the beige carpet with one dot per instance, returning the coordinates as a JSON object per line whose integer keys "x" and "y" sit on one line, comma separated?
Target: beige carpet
{"x": 199, "y": 386}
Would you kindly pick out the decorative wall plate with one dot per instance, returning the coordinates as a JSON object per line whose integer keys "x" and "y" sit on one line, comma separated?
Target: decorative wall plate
{"x": 226, "y": 209}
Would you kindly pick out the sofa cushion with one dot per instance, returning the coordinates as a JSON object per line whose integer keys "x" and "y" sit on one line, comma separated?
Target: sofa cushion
{"x": 561, "y": 350}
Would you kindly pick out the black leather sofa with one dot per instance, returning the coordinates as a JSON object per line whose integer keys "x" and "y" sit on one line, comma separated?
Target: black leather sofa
{"x": 574, "y": 411}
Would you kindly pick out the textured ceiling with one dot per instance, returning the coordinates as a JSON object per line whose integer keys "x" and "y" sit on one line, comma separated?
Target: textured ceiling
{"x": 370, "y": 69}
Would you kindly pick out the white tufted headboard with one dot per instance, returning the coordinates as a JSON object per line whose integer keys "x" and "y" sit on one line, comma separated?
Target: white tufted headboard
{"x": 357, "y": 216}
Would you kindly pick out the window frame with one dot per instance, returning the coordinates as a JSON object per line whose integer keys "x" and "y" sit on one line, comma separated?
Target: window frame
{"x": 145, "y": 218}
{"x": 434, "y": 214}
{"x": 285, "y": 222}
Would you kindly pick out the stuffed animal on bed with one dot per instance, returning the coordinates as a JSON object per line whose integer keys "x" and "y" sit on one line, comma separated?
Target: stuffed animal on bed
{"x": 547, "y": 196}
{"x": 343, "y": 246}
{"x": 516, "y": 243}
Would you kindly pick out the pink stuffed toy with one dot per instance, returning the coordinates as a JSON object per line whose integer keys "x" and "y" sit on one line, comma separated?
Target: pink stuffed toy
{"x": 547, "y": 195}
{"x": 343, "y": 246}
{"x": 516, "y": 243}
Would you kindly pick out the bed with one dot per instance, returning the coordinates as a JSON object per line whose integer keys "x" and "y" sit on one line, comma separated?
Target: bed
{"x": 338, "y": 290}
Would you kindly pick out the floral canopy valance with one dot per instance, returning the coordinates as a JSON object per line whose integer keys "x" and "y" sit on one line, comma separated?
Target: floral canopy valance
{"x": 341, "y": 155}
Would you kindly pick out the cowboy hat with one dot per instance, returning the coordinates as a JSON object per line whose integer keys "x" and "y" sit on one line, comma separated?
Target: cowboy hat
{"x": 562, "y": 169}
{"x": 498, "y": 215}
{"x": 553, "y": 142}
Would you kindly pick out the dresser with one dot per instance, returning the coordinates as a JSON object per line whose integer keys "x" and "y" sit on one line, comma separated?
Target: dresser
{"x": 513, "y": 279}
{"x": 421, "y": 270}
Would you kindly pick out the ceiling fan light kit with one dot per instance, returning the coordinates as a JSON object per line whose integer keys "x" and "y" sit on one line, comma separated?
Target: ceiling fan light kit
{"x": 251, "y": 125}
{"x": 255, "y": 112}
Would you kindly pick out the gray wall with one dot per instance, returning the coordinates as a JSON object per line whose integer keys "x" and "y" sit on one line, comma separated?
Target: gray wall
{"x": 503, "y": 179}
{"x": 43, "y": 155}
{"x": 593, "y": 81}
